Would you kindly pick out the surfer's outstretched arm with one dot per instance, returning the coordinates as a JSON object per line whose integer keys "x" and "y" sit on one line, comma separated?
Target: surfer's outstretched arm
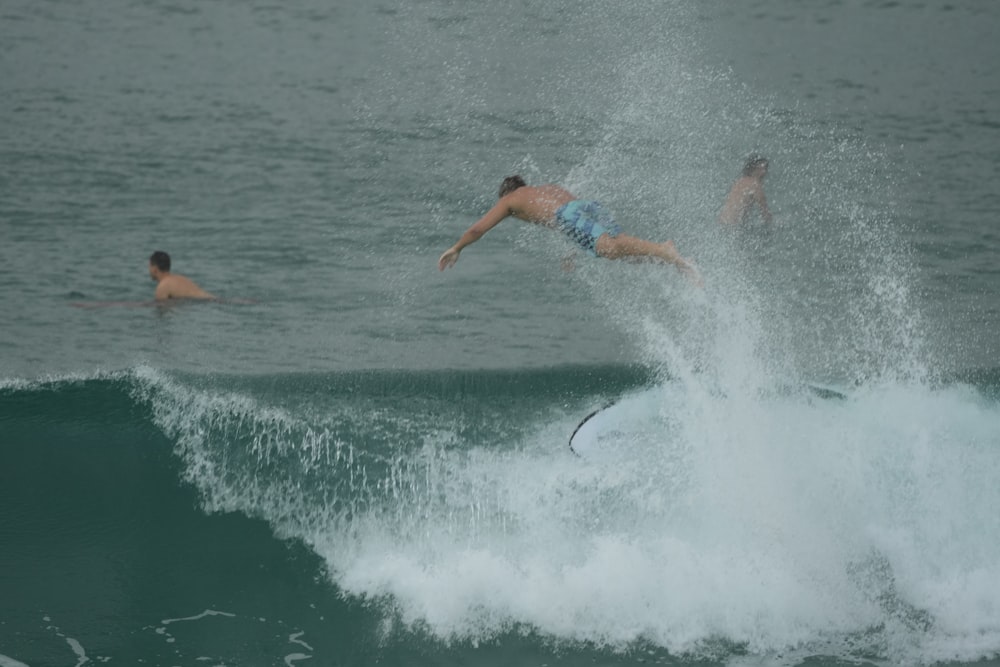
{"x": 492, "y": 218}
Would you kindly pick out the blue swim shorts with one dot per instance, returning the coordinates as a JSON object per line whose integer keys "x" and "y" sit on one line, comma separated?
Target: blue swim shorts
{"x": 584, "y": 222}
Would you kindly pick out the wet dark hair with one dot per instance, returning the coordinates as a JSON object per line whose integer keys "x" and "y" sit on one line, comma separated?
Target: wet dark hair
{"x": 510, "y": 184}
{"x": 160, "y": 260}
{"x": 753, "y": 162}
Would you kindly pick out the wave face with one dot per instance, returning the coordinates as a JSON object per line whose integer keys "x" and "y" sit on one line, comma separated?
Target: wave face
{"x": 447, "y": 507}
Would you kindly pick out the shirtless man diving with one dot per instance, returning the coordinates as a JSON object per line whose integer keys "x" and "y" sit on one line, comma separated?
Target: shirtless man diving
{"x": 172, "y": 285}
{"x": 586, "y": 222}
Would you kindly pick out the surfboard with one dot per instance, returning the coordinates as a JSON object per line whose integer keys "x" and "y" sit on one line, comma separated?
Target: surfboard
{"x": 587, "y": 431}
{"x": 622, "y": 426}
{"x": 161, "y": 303}
{"x": 628, "y": 425}
{"x": 112, "y": 304}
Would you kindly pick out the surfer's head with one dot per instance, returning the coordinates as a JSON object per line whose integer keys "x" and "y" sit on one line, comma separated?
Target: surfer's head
{"x": 753, "y": 163}
{"x": 510, "y": 184}
{"x": 159, "y": 263}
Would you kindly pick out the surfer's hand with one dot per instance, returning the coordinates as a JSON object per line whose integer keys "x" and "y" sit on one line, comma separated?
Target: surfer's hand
{"x": 448, "y": 259}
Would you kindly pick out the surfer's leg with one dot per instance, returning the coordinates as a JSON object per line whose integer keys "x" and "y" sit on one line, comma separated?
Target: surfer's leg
{"x": 623, "y": 246}
{"x": 628, "y": 247}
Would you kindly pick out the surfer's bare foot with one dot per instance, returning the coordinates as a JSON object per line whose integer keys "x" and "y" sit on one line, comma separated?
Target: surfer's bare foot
{"x": 690, "y": 272}
{"x": 669, "y": 254}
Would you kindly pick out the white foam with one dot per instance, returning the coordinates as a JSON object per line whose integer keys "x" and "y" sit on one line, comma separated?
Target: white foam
{"x": 777, "y": 520}
{"x": 81, "y": 655}
{"x": 198, "y": 617}
{"x": 751, "y": 534}
{"x": 6, "y": 661}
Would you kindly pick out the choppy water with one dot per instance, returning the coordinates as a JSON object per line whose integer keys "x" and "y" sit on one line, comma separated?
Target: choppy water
{"x": 369, "y": 463}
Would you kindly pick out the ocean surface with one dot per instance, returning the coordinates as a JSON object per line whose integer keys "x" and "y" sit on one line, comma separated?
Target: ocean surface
{"x": 356, "y": 459}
